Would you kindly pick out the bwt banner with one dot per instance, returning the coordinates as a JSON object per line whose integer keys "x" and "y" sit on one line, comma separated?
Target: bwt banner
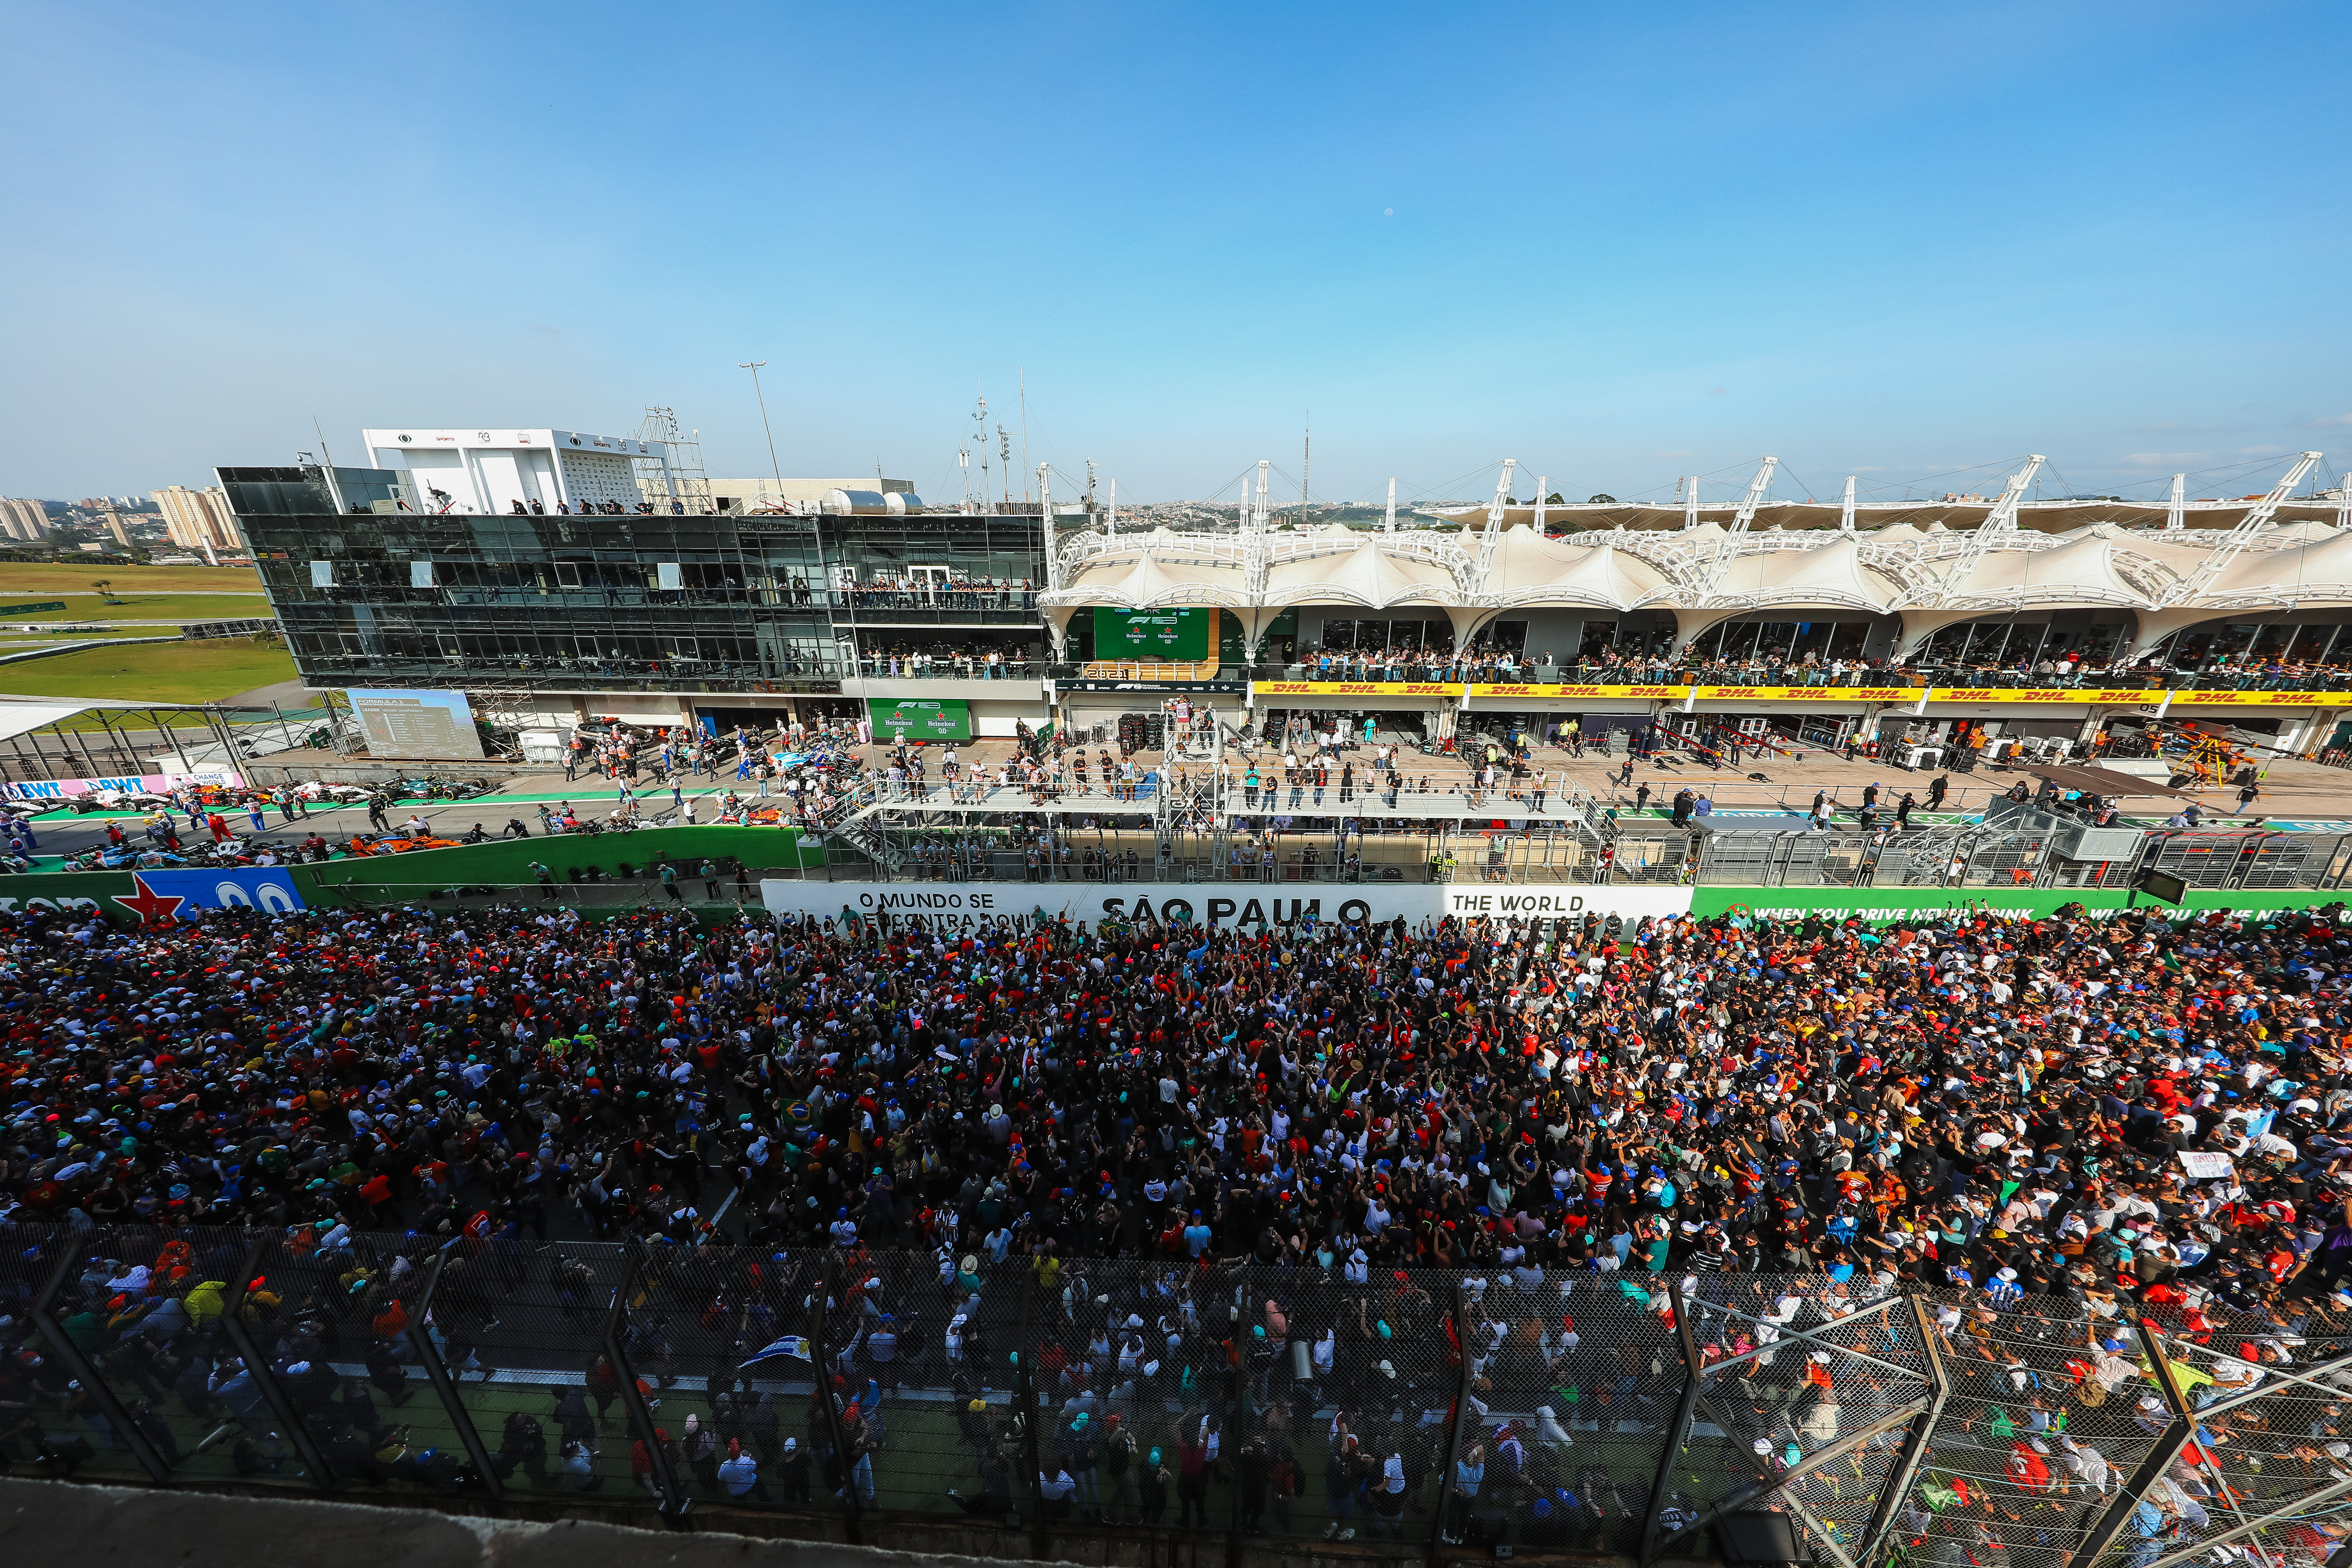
{"x": 148, "y": 783}
{"x": 966, "y": 906}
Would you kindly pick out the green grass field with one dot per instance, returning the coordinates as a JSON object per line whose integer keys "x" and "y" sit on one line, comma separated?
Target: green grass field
{"x": 152, "y": 672}
{"x": 177, "y": 609}
{"x": 30, "y": 580}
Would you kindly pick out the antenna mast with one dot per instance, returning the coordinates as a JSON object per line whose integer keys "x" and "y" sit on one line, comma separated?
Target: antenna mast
{"x": 1046, "y": 517}
{"x": 980, "y": 440}
{"x": 1306, "y": 469}
{"x": 676, "y": 474}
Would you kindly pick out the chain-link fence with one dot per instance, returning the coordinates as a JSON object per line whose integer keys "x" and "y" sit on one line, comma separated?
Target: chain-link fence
{"x": 1617, "y": 1412}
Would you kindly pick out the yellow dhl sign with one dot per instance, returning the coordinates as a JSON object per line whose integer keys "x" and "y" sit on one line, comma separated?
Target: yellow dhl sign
{"x": 1811, "y": 693}
{"x": 2080, "y": 694}
{"x": 1357, "y": 689}
{"x": 2254, "y": 698}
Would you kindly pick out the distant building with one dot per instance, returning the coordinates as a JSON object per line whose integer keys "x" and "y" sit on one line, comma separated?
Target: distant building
{"x": 198, "y": 520}
{"x": 27, "y": 520}
{"x": 752, "y": 495}
{"x": 109, "y": 517}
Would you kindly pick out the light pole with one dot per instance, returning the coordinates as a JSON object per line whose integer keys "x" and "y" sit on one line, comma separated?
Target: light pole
{"x": 754, "y": 365}
{"x": 816, "y": 524}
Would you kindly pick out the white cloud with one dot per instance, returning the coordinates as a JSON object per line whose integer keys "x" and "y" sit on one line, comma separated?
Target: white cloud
{"x": 2166, "y": 460}
{"x": 2334, "y": 419}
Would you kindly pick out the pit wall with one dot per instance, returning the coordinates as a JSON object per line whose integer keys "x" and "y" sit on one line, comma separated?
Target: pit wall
{"x": 507, "y": 865}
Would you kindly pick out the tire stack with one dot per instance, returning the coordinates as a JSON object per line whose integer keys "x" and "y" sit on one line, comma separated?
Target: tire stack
{"x": 1130, "y": 733}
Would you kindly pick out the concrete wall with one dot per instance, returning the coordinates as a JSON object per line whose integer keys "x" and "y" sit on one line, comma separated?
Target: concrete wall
{"x": 121, "y": 1526}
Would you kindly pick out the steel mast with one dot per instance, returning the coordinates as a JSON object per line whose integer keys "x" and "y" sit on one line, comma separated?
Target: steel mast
{"x": 2222, "y": 555}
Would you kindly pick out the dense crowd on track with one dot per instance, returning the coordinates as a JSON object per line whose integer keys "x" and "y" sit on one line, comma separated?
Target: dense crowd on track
{"x": 2012, "y": 1109}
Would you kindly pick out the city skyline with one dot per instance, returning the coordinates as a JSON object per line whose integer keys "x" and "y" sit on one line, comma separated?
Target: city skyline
{"x": 1912, "y": 247}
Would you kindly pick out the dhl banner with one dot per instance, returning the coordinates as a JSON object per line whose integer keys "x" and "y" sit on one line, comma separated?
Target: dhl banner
{"x": 1360, "y": 688}
{"x": 1657, "y": 693}
{"x": 2076, "y": 696}
{"x": 2254, "y": 698}
{"x": 1810, "y": 693}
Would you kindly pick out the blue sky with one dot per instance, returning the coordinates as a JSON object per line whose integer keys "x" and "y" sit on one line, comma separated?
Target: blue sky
{"x": 1617, "y": 243}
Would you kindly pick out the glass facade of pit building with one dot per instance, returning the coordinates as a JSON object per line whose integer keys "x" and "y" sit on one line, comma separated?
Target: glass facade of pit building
{"x": 368, "y": 593}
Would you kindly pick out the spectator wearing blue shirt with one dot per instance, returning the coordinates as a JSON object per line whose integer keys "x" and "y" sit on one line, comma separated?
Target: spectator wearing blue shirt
{"x": 1469, "y": 1475}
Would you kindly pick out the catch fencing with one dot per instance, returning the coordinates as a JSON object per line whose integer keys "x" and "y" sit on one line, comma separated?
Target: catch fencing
{"x": 1427, "y": 1411}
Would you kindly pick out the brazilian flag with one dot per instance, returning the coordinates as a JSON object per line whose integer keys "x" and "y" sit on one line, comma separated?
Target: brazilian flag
{"x": 799, "y": 1122}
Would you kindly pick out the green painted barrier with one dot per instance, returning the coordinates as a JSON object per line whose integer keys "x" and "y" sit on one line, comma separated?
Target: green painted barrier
{"x": 508, "y": 861}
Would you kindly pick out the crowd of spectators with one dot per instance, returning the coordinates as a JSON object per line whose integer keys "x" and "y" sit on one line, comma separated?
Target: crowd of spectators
{"x": 2011, "y": 1112}
{"x": 1615, "y": 665}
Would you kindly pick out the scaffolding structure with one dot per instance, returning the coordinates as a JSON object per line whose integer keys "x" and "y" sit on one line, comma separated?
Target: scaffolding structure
{"x": 678, "y": 477}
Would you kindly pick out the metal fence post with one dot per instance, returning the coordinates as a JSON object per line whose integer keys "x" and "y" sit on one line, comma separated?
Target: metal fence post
{"x": 86, "y": 1371}
{"x": 2144, "y": 1475}
{"x": 264, "y": 1377}
{"x": 822, "y": 1300}
{"x": 1237, "y": 1400}
{"x": 1025, "y": 1400}
{"x": 674, "y": 1502}
{"x": 1915, "y": 1442}
{"x": 1452, "y": 1452}
{"x": 420, "y": 1340}
{"x": 1678, "y": 1435}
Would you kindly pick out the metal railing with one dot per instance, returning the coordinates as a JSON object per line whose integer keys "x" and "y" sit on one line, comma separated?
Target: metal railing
{"x": 991, "y": 830}
{"x": 1542, "y": 1409}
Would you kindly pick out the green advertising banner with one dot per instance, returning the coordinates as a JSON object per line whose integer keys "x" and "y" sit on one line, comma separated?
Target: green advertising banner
{"x": 1179, "y": 636}
{"x": 921, "y": 719}
{"x": 71, "y": 892}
